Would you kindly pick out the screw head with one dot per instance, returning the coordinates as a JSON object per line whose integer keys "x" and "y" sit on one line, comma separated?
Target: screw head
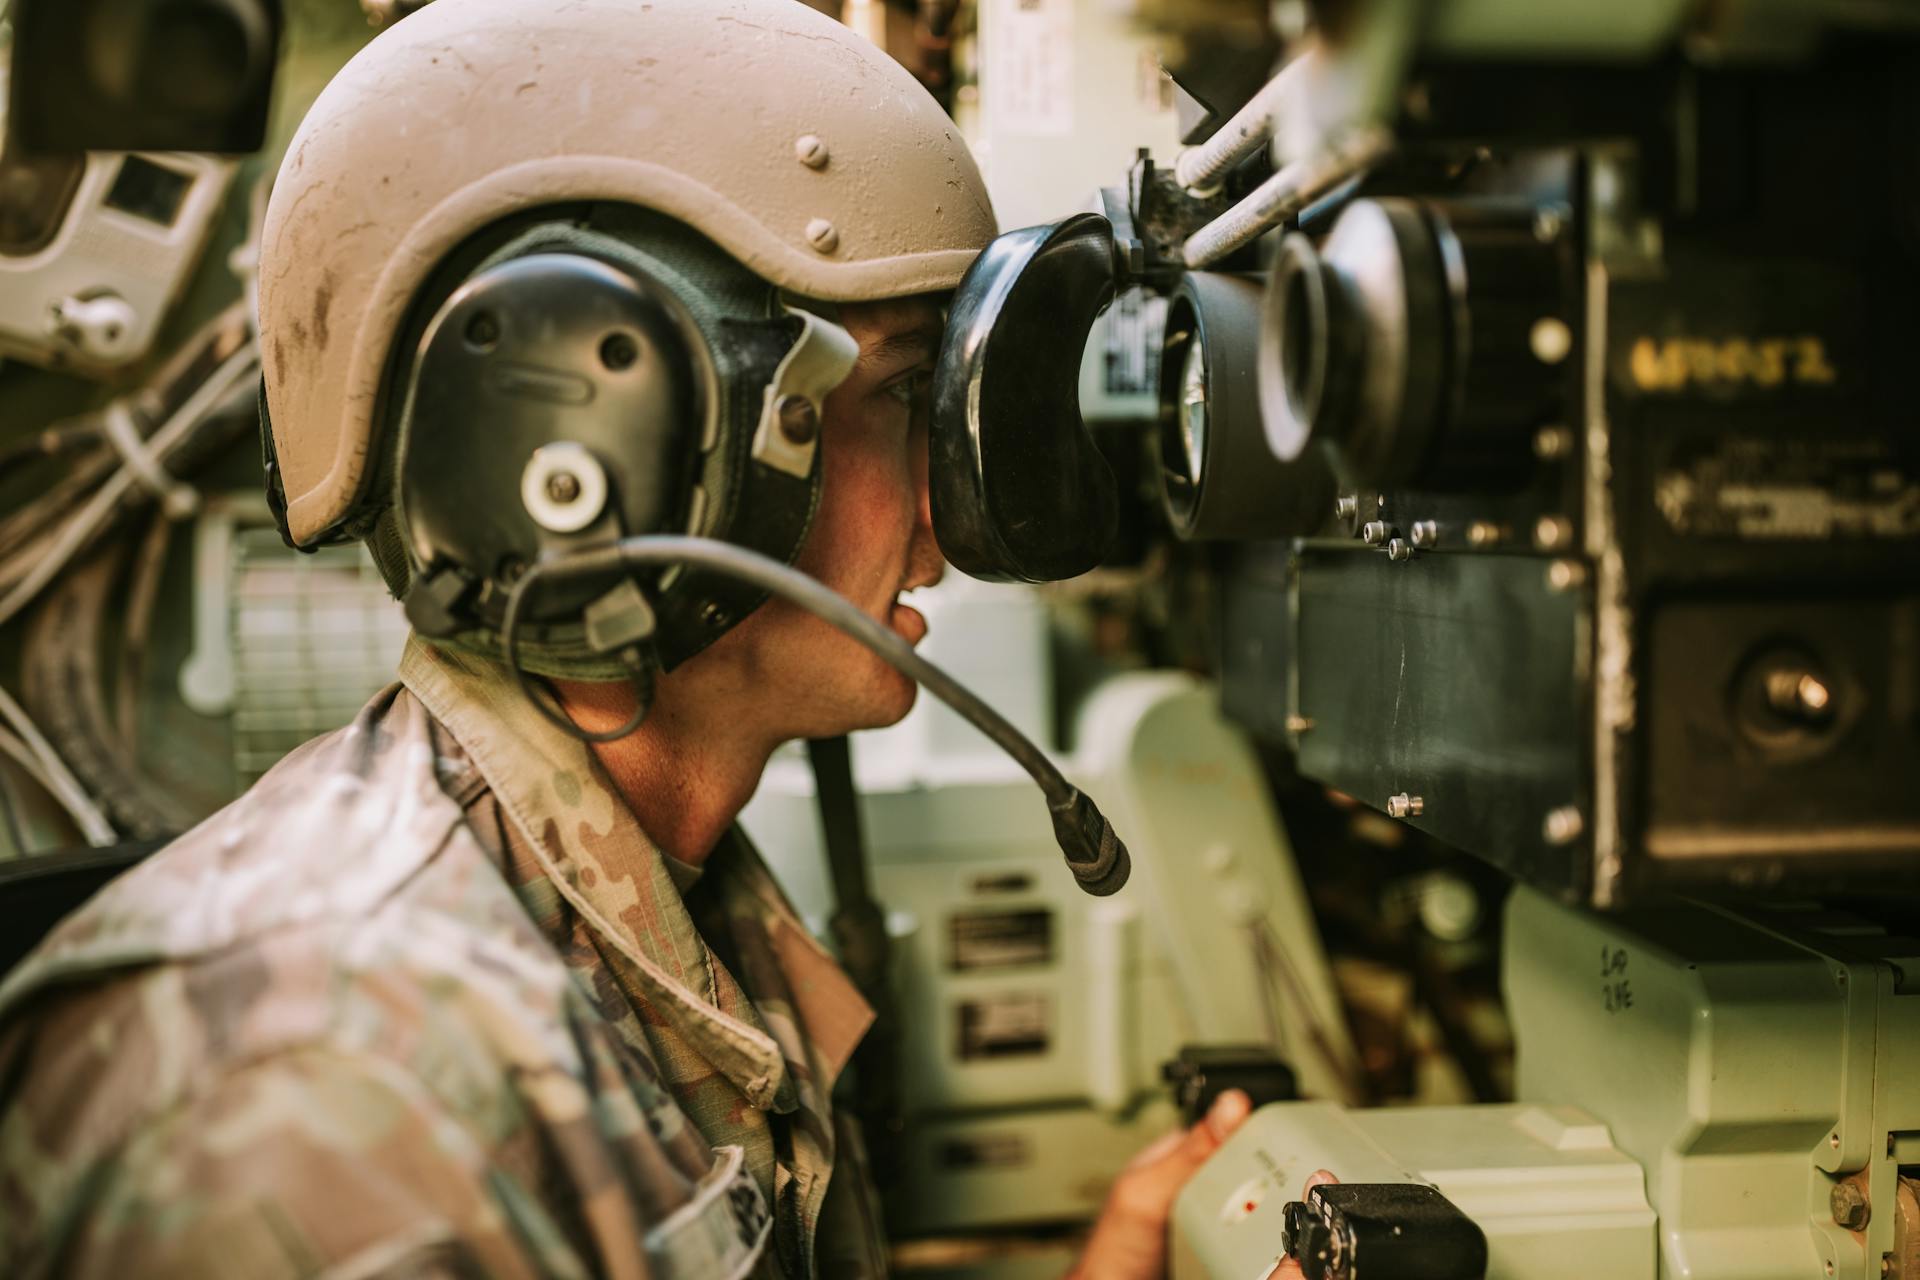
{"x": 1552, "y": 533}
{"x": 563, "y": 486}
{"x": 1346, "y": 506}
{"x": 1405, "y": 806}
{"x": 1552, "y": 442}
{"x": 618, "y": 351}
{"x": 714, "y": 616}
{"x": 1426, "y": 533}
{"x": 1550, "y": 340}
{"x": 823, "y": 236}
{"x": 810, "y": 151}
{"x": 1850, "y": 1207}
{"x": 1399, "y": 550}
{"x": 483, "y": 330}
{"x": 1548, "y": 222}
{"x": 1484, "y": 533}
{"x": 1374, "y": 532}
{"x": 1565, "y": 575}
{"x": 1563, "y": 825}
{"x": 799, "y": 420}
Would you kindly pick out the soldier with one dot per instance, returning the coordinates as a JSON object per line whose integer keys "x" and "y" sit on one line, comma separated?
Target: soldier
{"x": 484, "y": 985}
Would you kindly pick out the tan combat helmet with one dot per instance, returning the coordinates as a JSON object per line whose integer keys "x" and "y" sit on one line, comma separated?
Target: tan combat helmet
{"x": 791, "y": 142}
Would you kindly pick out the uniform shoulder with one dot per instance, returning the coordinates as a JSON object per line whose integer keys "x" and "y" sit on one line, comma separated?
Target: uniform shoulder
{"x": 330, "y": 832}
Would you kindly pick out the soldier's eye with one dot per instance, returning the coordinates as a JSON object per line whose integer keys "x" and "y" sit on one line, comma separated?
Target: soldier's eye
{"x": 907, "y": 388}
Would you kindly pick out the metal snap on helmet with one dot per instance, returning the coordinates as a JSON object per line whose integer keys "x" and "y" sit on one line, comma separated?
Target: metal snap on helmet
{"x": 788, "y": 141}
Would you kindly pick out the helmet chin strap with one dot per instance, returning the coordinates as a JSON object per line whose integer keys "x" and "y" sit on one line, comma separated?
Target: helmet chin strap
{"x": 1095, "y": 854}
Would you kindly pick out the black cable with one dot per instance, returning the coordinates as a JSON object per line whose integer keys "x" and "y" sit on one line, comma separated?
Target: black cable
{"x": 1096, "y": 855}
{"x": 859, "y": 929}
{"x": 557, "y": 716}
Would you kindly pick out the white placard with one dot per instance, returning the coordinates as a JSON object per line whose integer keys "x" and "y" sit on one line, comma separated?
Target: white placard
{"x": 1027, "y": 76}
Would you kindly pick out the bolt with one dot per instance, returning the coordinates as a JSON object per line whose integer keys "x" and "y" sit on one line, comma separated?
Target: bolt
{"x": 1794, "y": 692}
{"x": 1552, "y": 442}
{"x": 1550, "y": 339}
{"x": 563, "y": 486}
{"x": 1405, "y": 806}
{"x": 1552, "y": 533}
{"x": 799, "y": 420}
{"x": 1298, "y": 724}
{"x": 1813, "y": 695}
{"x": 1547, "y": 223}
{"x": 1563, "y": 825}
{"x": 1346, "y": 506}
{"x": 1374, "y": 532}
{"x": 618, "y": 352}
{"x": 1484, "y": 533}
{"x": 483, "y": 330}
{"x": 822, "y": 235}
{"x": 1565, "y": 575}
{"x": 810, "y": 151}
{"x": 1399, "y": 550}
{"x": 1426, "y": 534}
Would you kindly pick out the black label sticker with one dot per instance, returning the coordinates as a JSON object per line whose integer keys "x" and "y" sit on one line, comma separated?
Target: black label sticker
{"x": 986, "y": 1151}
{"x": 1010, "y": 1025}
{"x": 1000, "y": 939}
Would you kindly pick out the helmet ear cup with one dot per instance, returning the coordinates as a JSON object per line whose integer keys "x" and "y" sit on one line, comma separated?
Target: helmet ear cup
{"x": 556, "y": 402}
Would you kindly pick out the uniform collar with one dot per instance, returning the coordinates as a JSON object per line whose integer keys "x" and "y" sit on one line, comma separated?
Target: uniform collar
{"x": 592, "y": 849}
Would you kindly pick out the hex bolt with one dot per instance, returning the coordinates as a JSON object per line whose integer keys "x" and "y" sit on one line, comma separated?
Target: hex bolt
{"x": 1850, "y": 1207}
{"x": 810, "y": 151}
{"x": 1405, "y": 806}
{"x": 1565, "y": 575}
{"x": 563, "y": 486}
{"x": 823, "y": 236}
{"x": 1552, "y": 533}
{"x": 1399, "y": 550}
{"x": 1375, "y": 532}
{"x": 799, "y": 420}
{"x": 1563, "y": 825}
{"x": 1552, "y": 442}
{"x": 1346, "y": 506}
{"x": 1426, "y": 534}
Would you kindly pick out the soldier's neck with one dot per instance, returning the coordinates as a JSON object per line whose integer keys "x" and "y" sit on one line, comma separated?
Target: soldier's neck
{"x": 689, "y": 768}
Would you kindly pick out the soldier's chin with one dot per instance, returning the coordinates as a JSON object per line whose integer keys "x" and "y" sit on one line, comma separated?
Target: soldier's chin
{"x": 886, "y": 698}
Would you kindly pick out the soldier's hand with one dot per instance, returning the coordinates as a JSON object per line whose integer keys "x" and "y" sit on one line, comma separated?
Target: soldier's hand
{"x": 1129, "y": 1240}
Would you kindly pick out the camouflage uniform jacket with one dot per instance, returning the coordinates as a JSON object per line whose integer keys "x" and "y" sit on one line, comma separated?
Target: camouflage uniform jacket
{"x": 425, "y": 1001}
